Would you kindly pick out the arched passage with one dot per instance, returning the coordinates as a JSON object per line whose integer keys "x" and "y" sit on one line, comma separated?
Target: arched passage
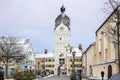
{"x": 109, "y": 71}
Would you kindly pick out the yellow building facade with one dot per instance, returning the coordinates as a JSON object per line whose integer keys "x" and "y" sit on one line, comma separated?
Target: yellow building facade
{"x": 88, "y": 61}
{"x": 46, "y": 62}
{"x": 102, "y": 57}
{"x": 105, "y": 51}
{"x": 78, "y": 64}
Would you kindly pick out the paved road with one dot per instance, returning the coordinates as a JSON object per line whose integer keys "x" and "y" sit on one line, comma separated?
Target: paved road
{"x": 61, "y": 77}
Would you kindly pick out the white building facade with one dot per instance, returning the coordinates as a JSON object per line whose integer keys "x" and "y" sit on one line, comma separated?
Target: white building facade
{"x": 62, "y": 39}
{"x": 26, "y": 48}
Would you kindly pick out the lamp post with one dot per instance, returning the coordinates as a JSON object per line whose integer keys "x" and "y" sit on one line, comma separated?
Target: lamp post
{"x": 73, "y": 63}
{"x": 30, "y": 68}
{"x": 67, "y": 49}
{"x": 44, "y": 67}
{"x": 38, "y": 67}
{"x": 45, "y": 52}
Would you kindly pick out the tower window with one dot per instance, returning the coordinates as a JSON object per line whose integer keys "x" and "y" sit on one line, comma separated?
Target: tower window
{"x": 60, "y": 38}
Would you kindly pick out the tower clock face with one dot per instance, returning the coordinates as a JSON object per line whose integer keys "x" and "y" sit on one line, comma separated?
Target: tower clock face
{"x": 61, "y": 28}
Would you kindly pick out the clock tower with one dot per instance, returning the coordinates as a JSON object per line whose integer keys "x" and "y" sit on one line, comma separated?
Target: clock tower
{"x": 62, "y": 40}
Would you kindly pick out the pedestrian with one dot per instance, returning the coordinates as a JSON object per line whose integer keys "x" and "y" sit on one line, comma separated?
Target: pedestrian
{"x": 72, "y": 77}
{"x": 1, "y": 75}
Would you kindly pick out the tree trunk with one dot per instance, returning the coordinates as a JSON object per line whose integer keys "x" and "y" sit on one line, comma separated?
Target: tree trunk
{"x": 7, "y": 62}
{"x": 6, "y": 66}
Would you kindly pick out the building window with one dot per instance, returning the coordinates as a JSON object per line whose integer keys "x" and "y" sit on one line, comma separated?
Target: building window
{"x": 99, "y": 45}
{"x": 70, "y": 60}
{"x": 42, "y": 60}
{"x": 113, "y": 31}
{"x": 49, "y": 60}
{"x": 53, "y": 60}
{"x": 113, "y": 45}
{"x": 79, "y": 65}
{"x": 49, "y": 65}
{"x": 46, "y": 60}
{"x": 105, "y": 40}
{"x": 78, "y": 60}
{"x": 105, "y": 50}
{"x": 43, "y": 66}
{"x": 60, "y": 38}
{"x": 52, "y": 65}
{"x": 105, "y": 45}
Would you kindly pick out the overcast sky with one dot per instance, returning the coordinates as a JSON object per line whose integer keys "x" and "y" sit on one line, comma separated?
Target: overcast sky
{"x": 35, "y": 19}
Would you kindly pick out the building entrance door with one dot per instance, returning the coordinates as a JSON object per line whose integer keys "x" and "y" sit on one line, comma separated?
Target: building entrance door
{"x": 109, "y": 71}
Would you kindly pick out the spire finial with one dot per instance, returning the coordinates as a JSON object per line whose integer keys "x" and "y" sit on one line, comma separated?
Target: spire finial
{"x": 62, "y": 9}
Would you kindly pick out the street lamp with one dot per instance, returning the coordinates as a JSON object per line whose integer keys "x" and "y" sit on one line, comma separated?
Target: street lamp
{"x": 12, "y": 70}
{"x": 30, "y": 68}
{"x": 45, "y": 52}
{"x": 44, "y": 66}
{"x": 67, "y": 49}
{"x": 73, "y": 63}
{"x": 38, "y": 67}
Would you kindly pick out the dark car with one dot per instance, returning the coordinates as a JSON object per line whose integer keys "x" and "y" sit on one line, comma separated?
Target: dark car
{"x": 76, "y": 76}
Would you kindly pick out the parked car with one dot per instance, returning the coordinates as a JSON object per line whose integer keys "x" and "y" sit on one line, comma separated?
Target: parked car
{"x": 76, "y": 76}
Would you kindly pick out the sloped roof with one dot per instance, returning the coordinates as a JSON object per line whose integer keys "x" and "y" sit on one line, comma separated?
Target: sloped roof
{"x": 78, "y": 53}
{"x": 43, "y": 55}
{"x": 51, "y": 55}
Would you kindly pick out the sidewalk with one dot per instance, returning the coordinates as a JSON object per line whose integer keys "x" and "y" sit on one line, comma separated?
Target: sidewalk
{"x": 49, "y": 76}
{"x": 84, "y": 79}
{"x": 89, "y": 79}
{"x": 38, "y": 77}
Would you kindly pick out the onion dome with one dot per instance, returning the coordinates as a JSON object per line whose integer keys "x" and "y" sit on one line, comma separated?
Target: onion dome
{"x": 62, "y": 18}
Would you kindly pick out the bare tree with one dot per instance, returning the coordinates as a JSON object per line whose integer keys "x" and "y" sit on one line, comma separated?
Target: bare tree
{"x": 113, "y": 8}
{"x": 110, "y": 6}
{"x": 10, "y": 51}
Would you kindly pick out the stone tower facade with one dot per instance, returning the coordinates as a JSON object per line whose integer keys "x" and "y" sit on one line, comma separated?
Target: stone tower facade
{"x": 62, "y": 40}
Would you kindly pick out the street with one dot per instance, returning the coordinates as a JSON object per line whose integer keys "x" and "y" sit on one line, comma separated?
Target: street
{"x": 61, "y": 77}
